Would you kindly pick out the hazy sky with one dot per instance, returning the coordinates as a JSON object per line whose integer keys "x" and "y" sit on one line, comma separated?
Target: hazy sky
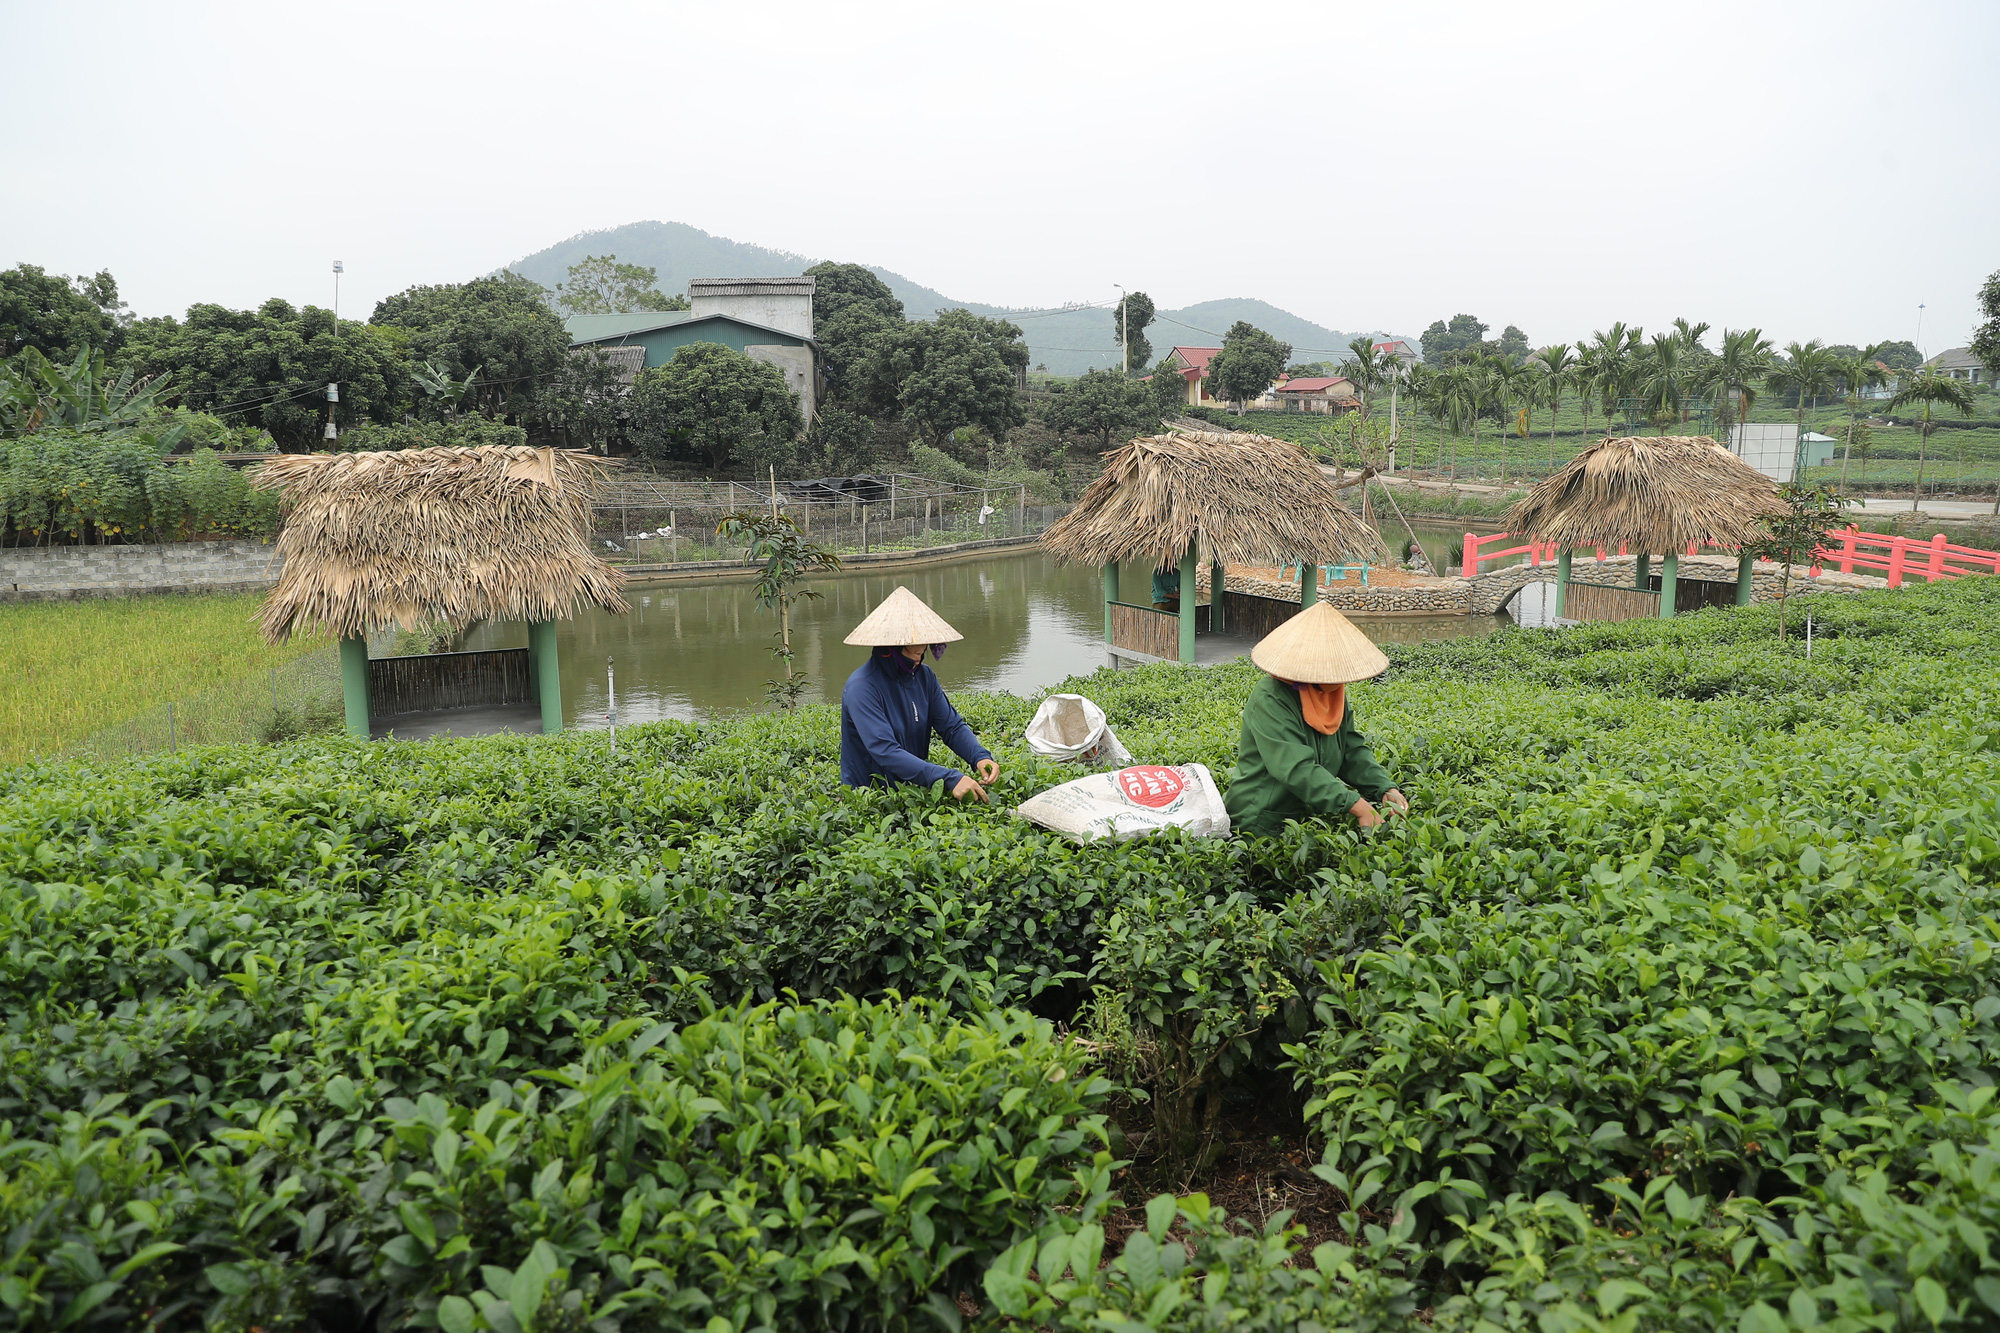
{"x": 1817, "y": 169}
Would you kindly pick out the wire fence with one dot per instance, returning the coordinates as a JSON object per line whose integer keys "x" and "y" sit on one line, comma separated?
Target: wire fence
{"x": 299, "y": 698}
{"x": 643, "y": 521}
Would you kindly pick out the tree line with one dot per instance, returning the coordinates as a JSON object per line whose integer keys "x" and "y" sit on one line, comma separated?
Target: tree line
{"x": 489, "y": 361}
{"x": 1660, "y": 380}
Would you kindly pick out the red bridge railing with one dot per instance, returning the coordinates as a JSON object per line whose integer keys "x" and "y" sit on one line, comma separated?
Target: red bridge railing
{"x": 1898, "y": 558}
{"x": 1850, "y": 551}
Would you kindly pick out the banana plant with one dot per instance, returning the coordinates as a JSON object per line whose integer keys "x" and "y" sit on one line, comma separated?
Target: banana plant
{"x": 37, "y": 393}
{"x": 437, "y": 382}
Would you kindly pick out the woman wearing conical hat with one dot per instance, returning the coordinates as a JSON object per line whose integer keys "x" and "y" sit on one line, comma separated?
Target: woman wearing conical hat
{"x": 890, "y": 707}
{"x": 1301, "y": 756}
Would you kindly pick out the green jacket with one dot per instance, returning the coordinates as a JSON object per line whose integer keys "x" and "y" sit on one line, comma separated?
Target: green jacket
{"x": 1287, "y": 770}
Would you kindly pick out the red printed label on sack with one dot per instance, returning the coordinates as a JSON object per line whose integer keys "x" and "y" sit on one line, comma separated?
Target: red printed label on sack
{"x": 1150, "y": 785}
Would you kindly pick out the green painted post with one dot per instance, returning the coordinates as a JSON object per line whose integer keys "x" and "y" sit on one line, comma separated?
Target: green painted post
{"x": 1308, "y": 584}
{"x": 548, "y": 677}
{"x": 1188, "y": 594}
{"x": 1670, "y": 569}
{"x": 1645, "y": 572}
{"x": 354, "y": 685}
{"x": 1746, "y": 569}
{"x": 1110, "y": 596}
{"x": 1562, "y": 582}
{"x": 1217, "y": 577}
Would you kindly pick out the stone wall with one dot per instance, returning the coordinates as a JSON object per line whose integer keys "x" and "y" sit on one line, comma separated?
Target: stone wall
{"x": 40, "y": 573}
{"x": 1489, "y": 593}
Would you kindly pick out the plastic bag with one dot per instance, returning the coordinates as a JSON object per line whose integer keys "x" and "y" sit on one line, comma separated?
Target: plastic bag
{"x": 1069, "y": 728}
{"x": 1131, "y": 803}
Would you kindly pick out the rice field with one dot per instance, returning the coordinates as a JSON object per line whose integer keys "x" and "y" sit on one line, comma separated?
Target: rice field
{"x": 71, "y": 669}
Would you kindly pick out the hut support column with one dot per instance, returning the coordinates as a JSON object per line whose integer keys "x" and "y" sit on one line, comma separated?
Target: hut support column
{"x": 1188, "y": 594}
{"x": 1308, "y": 584}
{"x": 1562, "y": 582}
{"x": 1217, "y": 576}
{"x": 1644, "y": 564}
{"x": 1670, "y": 569}
{"x": 354, "y": 685}
{"x": 1746, "y": 588}
{"x": 1110, "y": 596}
{"x": 548, "y": 677}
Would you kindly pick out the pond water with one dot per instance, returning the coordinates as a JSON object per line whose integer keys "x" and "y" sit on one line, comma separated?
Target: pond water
{"x": 689, "y": 650}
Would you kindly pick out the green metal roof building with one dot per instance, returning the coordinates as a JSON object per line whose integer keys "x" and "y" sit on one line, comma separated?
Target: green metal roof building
{"x": 659, "y": 335}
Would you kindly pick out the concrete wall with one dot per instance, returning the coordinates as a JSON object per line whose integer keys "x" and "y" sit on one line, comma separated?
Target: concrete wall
{"x": 41, "y": 573}
{"x": 783, "y": 304}
{"x": 796, "y": 363}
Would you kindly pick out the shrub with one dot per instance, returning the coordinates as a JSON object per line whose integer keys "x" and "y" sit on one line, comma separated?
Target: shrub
{"x": 469, "y": 433}
{"x": 1671, "y": 1004}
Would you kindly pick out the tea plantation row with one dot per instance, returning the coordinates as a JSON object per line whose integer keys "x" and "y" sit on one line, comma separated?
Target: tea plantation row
{"x": 1673, "y": 1006}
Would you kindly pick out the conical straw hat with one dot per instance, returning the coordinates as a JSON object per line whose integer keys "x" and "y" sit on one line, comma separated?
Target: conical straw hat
{"x": 901, "y": 620}
{"x": 1319, "y": 646}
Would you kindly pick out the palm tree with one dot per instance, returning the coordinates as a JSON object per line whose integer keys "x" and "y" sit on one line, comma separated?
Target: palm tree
{"x": 1506, "y": 383}
{"x": 1455, "y": 402}
{"x": 1555, "y": 365}
{"x": 1422, "y": 382}
{"x": 1661, "y": 381}
{"x": 1736, "y": 372}
{"x": 1365, "y": 366}
{"x": 1856, "y": 374}
{"x": 1807, "y": 370}
{"x": 1930, "y": 388}
{"x": 1615, "y": 354}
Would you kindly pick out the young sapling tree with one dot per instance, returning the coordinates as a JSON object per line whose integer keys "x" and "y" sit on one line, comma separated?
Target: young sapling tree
{"x": 787, "y": 559}
{"x": 1793, "y": 534}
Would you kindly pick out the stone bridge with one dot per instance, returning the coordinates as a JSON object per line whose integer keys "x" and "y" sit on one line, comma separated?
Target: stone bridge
{"x": 1486, "y": 595}
{"x": 1489, "y": 593}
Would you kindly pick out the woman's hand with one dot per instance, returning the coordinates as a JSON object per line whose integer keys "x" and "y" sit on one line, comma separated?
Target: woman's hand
{"x": 1365, "y": 814}
{"x": 1396, "y": 802}
{"x": 988, "y": 771}
{"x": 967, "y": 787}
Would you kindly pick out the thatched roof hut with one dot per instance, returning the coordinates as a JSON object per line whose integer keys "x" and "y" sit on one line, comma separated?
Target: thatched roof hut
{"x": 1246, "y": 499}
{"x": 458, "y": 535}
{"x": 1649, "y": 493}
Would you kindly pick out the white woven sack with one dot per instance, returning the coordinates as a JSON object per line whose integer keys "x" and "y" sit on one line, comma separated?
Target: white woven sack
{"x": 1131, "y": 803}
{"x": 1069, "y": 728}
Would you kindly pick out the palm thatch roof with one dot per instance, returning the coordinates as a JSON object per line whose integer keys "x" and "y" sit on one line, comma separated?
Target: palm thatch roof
{"x": 1653, "y": 494}
{"x": 1245, "y": 499}
{"x": 415, "y": 536}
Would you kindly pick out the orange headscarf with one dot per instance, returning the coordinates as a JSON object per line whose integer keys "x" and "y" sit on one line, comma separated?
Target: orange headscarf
{"x": 1323, "y": 705}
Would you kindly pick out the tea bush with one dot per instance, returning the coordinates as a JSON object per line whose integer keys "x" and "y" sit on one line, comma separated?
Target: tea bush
{"x": 1673, "y": 1004}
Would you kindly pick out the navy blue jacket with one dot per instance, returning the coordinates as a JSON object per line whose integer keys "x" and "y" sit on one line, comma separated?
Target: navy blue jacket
{"x": 886, "y": 720}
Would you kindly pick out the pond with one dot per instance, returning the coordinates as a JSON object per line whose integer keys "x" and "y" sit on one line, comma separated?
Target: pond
{"x": 690, "y": 650}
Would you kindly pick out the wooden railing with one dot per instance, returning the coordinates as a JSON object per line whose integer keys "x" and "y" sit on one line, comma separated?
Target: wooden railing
{"x": 1252, "y": 616}
{"x": 432, "y": 681}
{"x": 1144, "y": 630}
{"x": 1602, "y": 601}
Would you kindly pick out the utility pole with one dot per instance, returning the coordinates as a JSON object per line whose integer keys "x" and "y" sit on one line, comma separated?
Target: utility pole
{"x": 332, "y": 391}
{"x": 1920, "y": 330}
{"x": 1124, "y": 337}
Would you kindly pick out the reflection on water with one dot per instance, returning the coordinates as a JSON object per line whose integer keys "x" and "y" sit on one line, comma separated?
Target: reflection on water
{"x": 692, "y": 649}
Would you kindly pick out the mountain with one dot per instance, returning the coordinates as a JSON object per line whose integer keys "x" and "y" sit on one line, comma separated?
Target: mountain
{"x": 1067, "y": 341}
